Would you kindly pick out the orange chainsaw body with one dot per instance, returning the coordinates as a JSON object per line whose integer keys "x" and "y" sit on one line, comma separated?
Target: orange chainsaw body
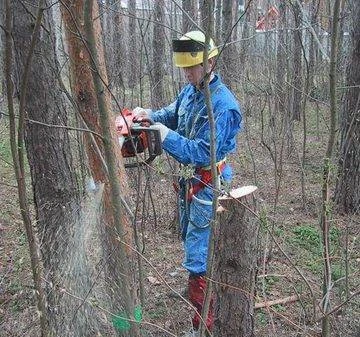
{"x": 136, "y": 139}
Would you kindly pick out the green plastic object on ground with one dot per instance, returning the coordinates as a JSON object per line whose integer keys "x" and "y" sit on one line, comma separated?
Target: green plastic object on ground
{"x": 122, "y": 322}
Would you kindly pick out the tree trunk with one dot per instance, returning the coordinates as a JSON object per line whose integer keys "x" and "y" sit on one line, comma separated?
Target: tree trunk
{"x": 189, "y": 15}
{"x": 115, "y": 47}
{"x": 56, "y": 196}
{"x": 134, "y": 55}
{"x": 280, "y": 102}
{"x": 313, "y": 48}
{"x": 159, "y": 61}
{"x": 229, "y": 59}
{"x": 2, "y": 49}
{"x": 235, "y": 265}
{"x": 87, "y": 99}
{"x": 325, "y": 219}
{"x": 203, "y": 14}
{"x": 247, "y": 29}
{"x": 348, "y": 186}
{"x": 297, "y": 64}
{"x": 17, "y": 152}
{"x": 218, "y": 8}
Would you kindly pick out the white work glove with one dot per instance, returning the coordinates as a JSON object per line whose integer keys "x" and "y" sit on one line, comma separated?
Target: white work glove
{"x": 162, "y": 128}
{"x": 141, "y": 113}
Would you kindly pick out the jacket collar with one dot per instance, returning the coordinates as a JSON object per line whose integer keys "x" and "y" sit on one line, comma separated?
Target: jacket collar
{"x": 214, "y": 83}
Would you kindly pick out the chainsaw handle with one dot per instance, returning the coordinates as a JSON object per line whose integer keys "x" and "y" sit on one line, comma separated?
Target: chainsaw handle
{"x": 144, "y": 120}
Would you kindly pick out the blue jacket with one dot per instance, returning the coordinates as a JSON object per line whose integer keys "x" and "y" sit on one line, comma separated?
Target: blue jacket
{"x": 188, "y": 142}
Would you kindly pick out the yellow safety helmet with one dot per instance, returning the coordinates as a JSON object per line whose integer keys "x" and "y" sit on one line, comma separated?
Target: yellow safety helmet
{"x": 189, "y": 50}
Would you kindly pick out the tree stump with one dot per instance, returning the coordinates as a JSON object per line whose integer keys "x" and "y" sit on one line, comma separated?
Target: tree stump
{"x": 235, "y": 264}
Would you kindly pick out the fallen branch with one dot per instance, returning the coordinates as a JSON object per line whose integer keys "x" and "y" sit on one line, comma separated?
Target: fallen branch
{"x": 271, "y": 275}
{"x": 284, "y": 300}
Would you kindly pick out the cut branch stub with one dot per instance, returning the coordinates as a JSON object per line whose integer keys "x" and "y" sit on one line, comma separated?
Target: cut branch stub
{"x": 235, "y": 263}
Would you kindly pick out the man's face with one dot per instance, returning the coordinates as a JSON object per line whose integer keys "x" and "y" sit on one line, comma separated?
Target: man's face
{"x": 194, "y": 74}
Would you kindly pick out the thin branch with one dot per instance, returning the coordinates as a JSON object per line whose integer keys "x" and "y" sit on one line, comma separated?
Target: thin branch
{"x": 56, "y": 126}
{"x": 230, "y": 33}
{"x": 161, "y": 277}
{"x": 338, "y": 307}
{"x": 321, "y": 48}
{"x": 187, "y": 15}
{"x": 17, "y": 150}
{"x": 22, "y": 3}
{"x": 95, "y": 69}
{"x": 284, "y": 300}
{"x": 143, "y": 19}
{"x": 214, "y": 173}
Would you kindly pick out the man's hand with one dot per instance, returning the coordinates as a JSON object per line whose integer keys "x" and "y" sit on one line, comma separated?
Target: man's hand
{"x": 140, "y": 114}
{"x": 162, "y": 128}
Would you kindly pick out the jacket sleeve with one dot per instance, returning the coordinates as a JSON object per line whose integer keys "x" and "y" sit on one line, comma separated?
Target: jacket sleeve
{"x": 166, "y": 116}
{"x": 196, "y": 151}
{"x": 169, "y": 115}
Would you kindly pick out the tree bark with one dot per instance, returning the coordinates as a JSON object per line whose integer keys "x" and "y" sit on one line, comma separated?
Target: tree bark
{"x": 297, "y": 64}
{"x": 123, "y": 271}
{"x": 17, "y": 149}
{"x": 235, "y": 265}
{"x": 280, "y": 102}
{"x": 56, "y": 193}
{"x": 313, "y": 48}
{"x": 218, "y": 20}
{"x": 2, "y": 49}
{"x": 325, "y": 220}
{"x": 56, "y": 196}
{"x": 229, "y": 70}
{"x": 159, "y": 61}
{"x": 190, "y": 10}
{"x": 115, "y": 47}
{"x": 88, "y": 100}
{"x": 348, "y": 184}
{"x": 134, "y": 55}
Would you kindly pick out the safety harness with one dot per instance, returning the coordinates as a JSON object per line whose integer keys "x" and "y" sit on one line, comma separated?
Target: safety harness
{"x": 205, "y": 178}
{"x": 202, "y": 182}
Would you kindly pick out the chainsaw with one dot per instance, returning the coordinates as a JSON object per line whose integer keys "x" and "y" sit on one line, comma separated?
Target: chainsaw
{"x": 135, "y": 138}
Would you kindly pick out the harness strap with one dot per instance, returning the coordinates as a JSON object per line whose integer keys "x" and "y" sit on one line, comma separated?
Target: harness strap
{"x": 205, "y": 179}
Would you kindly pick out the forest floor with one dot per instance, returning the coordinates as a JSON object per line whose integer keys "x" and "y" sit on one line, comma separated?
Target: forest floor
{"x": 294, "y": 223}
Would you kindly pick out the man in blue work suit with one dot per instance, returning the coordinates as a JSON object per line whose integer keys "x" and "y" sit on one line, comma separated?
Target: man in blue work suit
{"x": 185, "y": 135}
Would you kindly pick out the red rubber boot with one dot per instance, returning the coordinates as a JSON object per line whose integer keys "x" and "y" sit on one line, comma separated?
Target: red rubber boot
{"x": 197, "y": 288}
